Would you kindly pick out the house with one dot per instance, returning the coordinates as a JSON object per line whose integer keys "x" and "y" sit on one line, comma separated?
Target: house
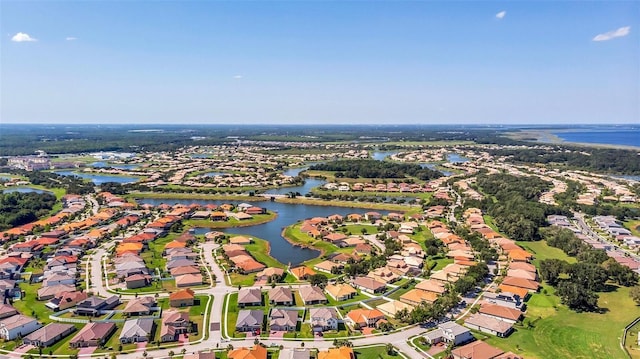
{"x": 173, "y": 324}
{"x": 189, "y": 280}
{"x": 59, "y": 278}
{"x": 361, "y": 318}
{"x": 416, "y": 297}
{"x": 93, "y": 335}
{"x": 393, "y": 307}
{"x": 490, "y": 325}
{"x": 45, "y": 293}
{"x": 283, "y": 320}
{"x": 281, "y": 296}
{"x": 7, "y": 311}
{"x": 302, "y": 272}
{"x": 340, "y": 292}
{"x": 270, "y": 272}
{"x": 66, "y": 300}
{"x": 323, "y": 319}
{"x": 93, "y": 306}
{"x": 136, "y": 330}
{"x": 250, "y": 320}
{"x": 140, "y": 306}
{"x": 256, "y": 352}
{"x": 327, "y": 266}
{"x": 312, "y": 295}
{"x": 249, "y": 296}
{"x": 178, "y": 271}
{"x": 17, "y": 325}
{"x": 138, "y": 281}
{"x": 200, "y": 355}
{"x": 182, "y": 298}
{"x": 49, "y": 334}
{"x": 504, "y": 299}
{"x": 477, "y": 350}
{"x": 297, "y": 353}
{"x": 368, "y": 285}
{"x": 502, "y": 313}
{"x": 337, "y": 353}
{"x": 450, "y": 333}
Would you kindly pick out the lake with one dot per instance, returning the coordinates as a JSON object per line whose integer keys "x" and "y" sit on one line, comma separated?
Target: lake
{"x": 381, "y": 155}
{"x": 25, "y": 190}
{"x": 628, "y": 137}
{"x": 98, "y": 179}
{"x": 456, "y": 158}
{"x": 288, "y": 214}
{"x": 102, "y": 164}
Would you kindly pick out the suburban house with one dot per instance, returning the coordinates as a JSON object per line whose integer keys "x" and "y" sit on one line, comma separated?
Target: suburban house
{"x": 137, "y": 281}
{"x": 140, "y": 306}
{"x": 361, "y": 318}
{"x": 49, "y": 334}
{"x": 200, "y": 355}
{"x": 17, "y": 325}
{"x": 93, "y": 305}
{"x": 45, "y": 293}
{"x": 7, "y": 311}
{"x": 502, "y": 313}
{"x": 369, "y": 285}
{"x": 490, "y": 325}
{"x": 302, "y": 272}
{"x": 297, "y": 353}
{"x": 250, "y": 320}
{"x": 66, "y": 300}
{"x": 450, "y": 333}
{"x": 337, "y": 353}
{"x": 93, "y": 335}
{"x": 256, "y": 352}
{"x": 312, "y": 295}
{"x": 174, "y": 323}
{"x": 323, "y": 319}
{"x": 182, "y": 298}
{"x": 137, "y": 330}
{"x": 481, "y": 350}
{"x": 340, "y": 292}
{"x": 281, "y": 296}
{"x": 249, "y": 296}
{"x": 283, "y": 320}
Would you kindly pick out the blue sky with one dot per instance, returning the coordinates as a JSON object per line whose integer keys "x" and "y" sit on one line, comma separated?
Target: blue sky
{"x": 323, "y": 62}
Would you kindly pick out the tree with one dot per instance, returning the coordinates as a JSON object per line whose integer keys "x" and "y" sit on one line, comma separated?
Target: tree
{"x": 551, "y": 269}
{"x": 171, "y": 353}
{"x": 634, "y": 293}
{"x": 319, "y": 280}
{"x": 390, "y": 349}
{"x": 577, "y": 297}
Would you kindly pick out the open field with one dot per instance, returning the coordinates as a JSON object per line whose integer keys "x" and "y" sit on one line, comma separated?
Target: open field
{"x": 231, "y": 222}
{"x": 541, "y": 250}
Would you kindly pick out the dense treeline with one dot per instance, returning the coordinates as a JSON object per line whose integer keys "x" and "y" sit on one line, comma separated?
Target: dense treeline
{"x": 577, "y": 284}
{"x": 376, "y": 169}
{"x": 606, "y": 160}
{"x": 516, "y": 211}
{"x": 72, "y": 184}
{"x": 18, "y": 208}
{"x": 609, "y": 209}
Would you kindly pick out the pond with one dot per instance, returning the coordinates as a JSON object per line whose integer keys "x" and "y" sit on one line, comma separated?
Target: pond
{"x": 98, "y": 179}
{"x": 213, "y": 174}
{"x": 434, "y": 167}
{"x": 456, "y": 158}
{"x": 103, "y": 164}
{"x": 381, "y": 155}
{"x": 288, "y": 214}
{"x": 25, "y": 190}
{"x": 309, "y": 183}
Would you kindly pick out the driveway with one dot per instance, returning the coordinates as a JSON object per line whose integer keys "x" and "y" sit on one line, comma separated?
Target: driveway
{"x": 87, "y": 351}
{"x": 276, "y": 335}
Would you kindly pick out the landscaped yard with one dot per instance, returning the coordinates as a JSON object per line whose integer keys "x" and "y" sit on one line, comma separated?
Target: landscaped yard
{"x": 541, "y": 250}
{"x": 377, "y": 352}
{"x": 30, "y": 306}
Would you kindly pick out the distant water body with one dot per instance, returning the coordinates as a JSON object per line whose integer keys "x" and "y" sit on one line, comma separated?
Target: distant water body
{"x": 629, "y": 137}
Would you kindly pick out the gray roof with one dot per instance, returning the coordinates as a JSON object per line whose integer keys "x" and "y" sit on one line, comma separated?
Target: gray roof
{"x": 140, "y": 327}
{"x": 249, "y": 295}
{"x": 49, "y": 332}
{"x": 250, "y": 318}
{"x": 453, "y": 328}
{"x": 295, "y": 354}
{"x": 283, "y": 317}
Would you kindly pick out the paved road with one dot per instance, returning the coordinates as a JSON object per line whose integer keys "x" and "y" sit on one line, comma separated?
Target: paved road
{"x": 589, "y": 232}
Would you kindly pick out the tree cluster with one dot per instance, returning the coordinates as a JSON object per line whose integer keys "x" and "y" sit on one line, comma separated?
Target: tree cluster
{"x": 376, "y": 169}
{"x": 18, "y": 208}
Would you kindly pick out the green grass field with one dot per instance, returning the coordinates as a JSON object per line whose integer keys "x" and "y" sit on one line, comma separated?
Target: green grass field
{"x": 558, "y": 332}
{"x": 376, "y": 352}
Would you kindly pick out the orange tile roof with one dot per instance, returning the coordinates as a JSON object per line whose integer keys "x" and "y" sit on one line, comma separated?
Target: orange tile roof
{"x": 182, "y": 294}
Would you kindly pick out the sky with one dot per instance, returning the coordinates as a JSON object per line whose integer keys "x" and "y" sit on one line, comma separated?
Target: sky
{"x": 324, "y": 62}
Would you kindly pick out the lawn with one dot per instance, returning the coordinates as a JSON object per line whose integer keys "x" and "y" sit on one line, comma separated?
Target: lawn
{"x": 30, "y": 305}
{"x": 541, "y": 250}
{"x": 632, "y": 341}
{"x": 260, "y": 249}
{"x": 294, "y": 235}
{"x": 232, "y": 222}
{"x": 231, "y": 315}
{"x": 376, "y": 352}
{"x": 357, "y": 229}
{"x": 436, "y": 263}
{"x": 633, "y": 226}
{"x": 349, "y": 204}
{"x": 153, "y": 257}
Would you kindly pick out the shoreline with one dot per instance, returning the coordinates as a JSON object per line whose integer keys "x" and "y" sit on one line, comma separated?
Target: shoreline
{"x": 301, "y": 245}
{"x": 347, "y": 204}
{"x": 205, "y": 196}
{"x": 273, "y": 216}
{"x": 548, "y": 137}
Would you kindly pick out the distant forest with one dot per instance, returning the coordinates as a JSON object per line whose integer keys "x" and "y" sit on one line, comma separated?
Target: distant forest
{"x": 376, "y": 169}
{"x": 18, "y": 140}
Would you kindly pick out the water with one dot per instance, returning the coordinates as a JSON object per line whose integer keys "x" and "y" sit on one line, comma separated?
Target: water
{"x": 632, "y": 178}
{"x": 213, "y": 174}
{"x": 97, "y": 178}
{"x": 25, "y": 190}
{"x": 201, "y": 155}
{"x": 381, "y": 155}
{"x": 628, "y": 137}
{"x": 433, "y": 167}
{"x": 102, "y": 164}
{"x": 288, "y": 214}
{"x": 309, "y": 183}
{"x": 456, "y": 158}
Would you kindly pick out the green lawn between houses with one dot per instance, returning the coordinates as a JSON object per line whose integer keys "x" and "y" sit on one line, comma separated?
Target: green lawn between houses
{"x": 558, "y": 332}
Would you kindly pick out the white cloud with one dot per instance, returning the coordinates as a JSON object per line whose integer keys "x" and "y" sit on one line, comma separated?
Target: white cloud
{"x": 71, "y": 38}
{"x": 623, "y": 31}
{"x": 22, "y": 37}
{"x": 237, "y": 77}
{"x": 501, "y": 15}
